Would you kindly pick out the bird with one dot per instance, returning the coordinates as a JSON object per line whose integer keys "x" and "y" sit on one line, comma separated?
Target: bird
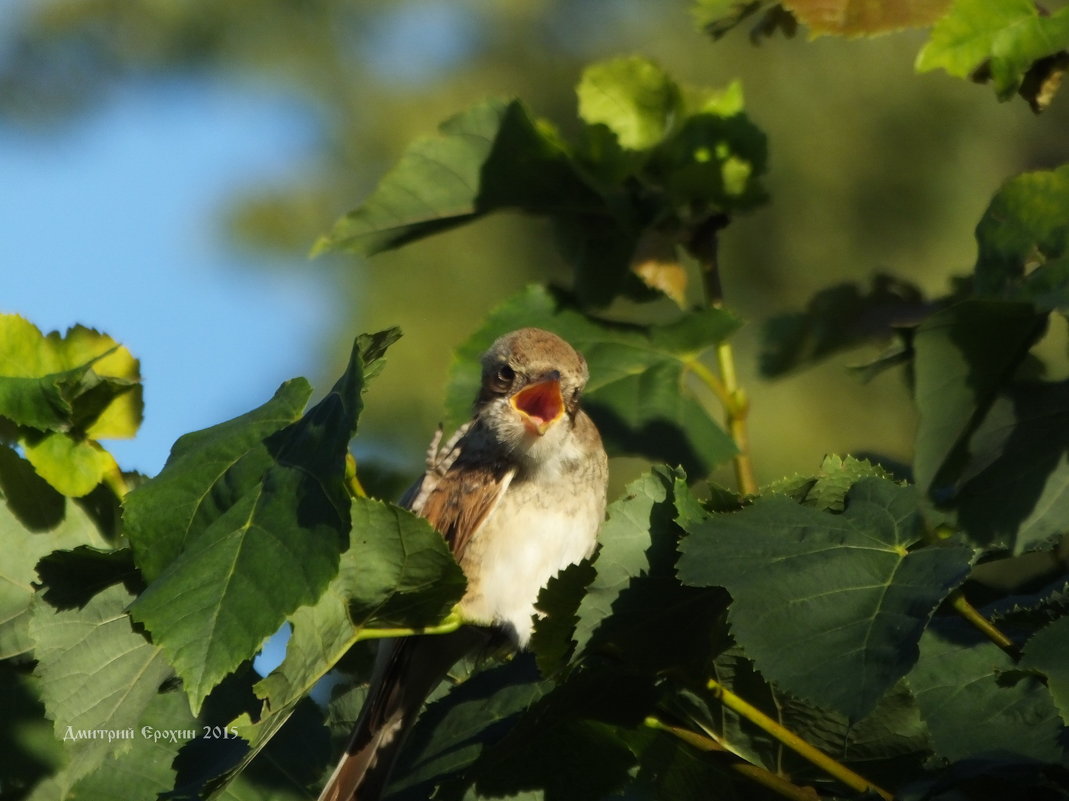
{"x": 519, "y": 494}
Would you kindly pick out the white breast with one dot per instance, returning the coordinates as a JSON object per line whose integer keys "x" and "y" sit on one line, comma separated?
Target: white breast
{"x": 541, "y": 525}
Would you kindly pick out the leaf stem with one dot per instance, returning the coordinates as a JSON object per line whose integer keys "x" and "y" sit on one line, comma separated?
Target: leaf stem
{"x": 704, "y": 247}
{"x": 352, "y": 482}
{"x": 755, "y": 773}
{"x": 794, "y": 742}
{"x": 447, "y": 626}
{"x": 962, "y": 606}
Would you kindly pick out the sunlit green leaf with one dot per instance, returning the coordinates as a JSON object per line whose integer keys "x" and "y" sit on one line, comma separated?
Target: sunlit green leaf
{"x": 81, "y": 380}
{"x": 1023, "y": 239}
{"x": 1009, "y": 35}
{"x": 490, "y": 157}
{"x": 829, "y": 606}
{"x": 633, "y": 97}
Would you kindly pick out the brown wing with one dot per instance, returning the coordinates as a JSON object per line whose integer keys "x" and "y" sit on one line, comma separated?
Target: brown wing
{"x": 462, "y": 485}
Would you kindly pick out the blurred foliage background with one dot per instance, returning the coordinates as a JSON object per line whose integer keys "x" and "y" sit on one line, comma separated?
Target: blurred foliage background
{"x": 873, "y": 169}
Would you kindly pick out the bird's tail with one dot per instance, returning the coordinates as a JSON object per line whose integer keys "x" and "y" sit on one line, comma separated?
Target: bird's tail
{"x": 406, "y": 671}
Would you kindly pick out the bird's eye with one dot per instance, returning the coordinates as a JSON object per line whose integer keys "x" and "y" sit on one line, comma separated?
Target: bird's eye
{"x": 505, "y": 374}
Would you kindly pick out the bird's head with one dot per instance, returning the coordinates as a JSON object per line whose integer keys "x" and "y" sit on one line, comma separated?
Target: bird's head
{"x": 531, "y": 383}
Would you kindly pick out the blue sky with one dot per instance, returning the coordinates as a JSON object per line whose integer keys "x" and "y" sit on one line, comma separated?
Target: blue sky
{"x": 115, "y": 220}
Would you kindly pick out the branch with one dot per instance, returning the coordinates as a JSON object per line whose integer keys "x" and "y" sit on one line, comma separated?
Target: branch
{"x": 961, "y": 605}
{"x": 703, "y": 246}
{"x": 794, "y": 742}
{"x": 758, "y": 774}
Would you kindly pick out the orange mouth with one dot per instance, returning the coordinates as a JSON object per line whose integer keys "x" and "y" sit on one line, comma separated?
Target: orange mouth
{"x": 540, "y": 404}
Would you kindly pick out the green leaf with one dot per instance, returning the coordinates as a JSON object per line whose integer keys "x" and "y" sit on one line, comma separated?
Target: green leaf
{"x": 72, "y": 466}
{"x": 633, "y": 608}
{"x": 98, "y": 676}
{"x": 829, "y": 606}
{"x": 214, "y": 605}
{"x": 633, "y": 97}
{"x": 622, "y": 555}
{"x": 553, "y": 639}
{"x": 976, "y": 704}
{"x": 83, "y": 380}
{"x": 1048, "y": 652}
{"x": 1015, "y": 490}
{"x": 492, "y": 156}
{"x": 144, "y": 769}
{"x": 637, "y": 393}
{"x": 827, "y": 490}
{"x": 964, "y": 355}
{"x": 397, "y": 572}
{"x": 1025, "y": 229}
{"x": 31, "y": 751}
{"x": 34, "y": 521}
{"x": 836, "y": 319}
{"x": 206, "y": 474}
{"x": 453, "y": 731}
{"x": 1007, "y": 35}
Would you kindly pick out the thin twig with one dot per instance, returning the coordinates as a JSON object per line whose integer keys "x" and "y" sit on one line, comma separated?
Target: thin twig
{"x": 794, "y": 742}
{"x": 755, "y": 773}
{"x": 962, "y": 606}
{"x": 447, "y": 626}
{"x": 704, "y": 247}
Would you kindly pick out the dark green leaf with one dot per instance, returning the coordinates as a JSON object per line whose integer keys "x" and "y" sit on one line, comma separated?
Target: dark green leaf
{"x": 836, "y": 319}
{"x": 552, "y": 641}
{"x": 1015, "y": 491}
{"x": 72, "y": 577}
{"x": 453, "y": 731}
{"x": 964, "y": 355}
{"x": 829, "y": 606}
{"x": 637, "y": 392}
{"x": 26, "y": 739}
{"x": 976, "y": 704}
{"x": 1048, "y": 652}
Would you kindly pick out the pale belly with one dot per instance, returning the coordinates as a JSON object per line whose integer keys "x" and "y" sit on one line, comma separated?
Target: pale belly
{"x": 523, "y": 544}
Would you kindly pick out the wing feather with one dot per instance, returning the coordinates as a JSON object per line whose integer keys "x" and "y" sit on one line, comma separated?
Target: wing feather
{"x": 460, "y": 487}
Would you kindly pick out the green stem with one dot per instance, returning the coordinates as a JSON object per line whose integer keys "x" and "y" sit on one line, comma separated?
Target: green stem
{"x": 704, "y": 246}
{"x": 757, "y": 774}
{"x": 794, "y": 742}
{"x": 962, "y": 606}
{"x": 450, "y": 624}
{"x": 352, "y": 483}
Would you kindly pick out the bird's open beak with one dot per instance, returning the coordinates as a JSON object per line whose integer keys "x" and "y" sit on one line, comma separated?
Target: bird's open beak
{"x": 540, "y": 405}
